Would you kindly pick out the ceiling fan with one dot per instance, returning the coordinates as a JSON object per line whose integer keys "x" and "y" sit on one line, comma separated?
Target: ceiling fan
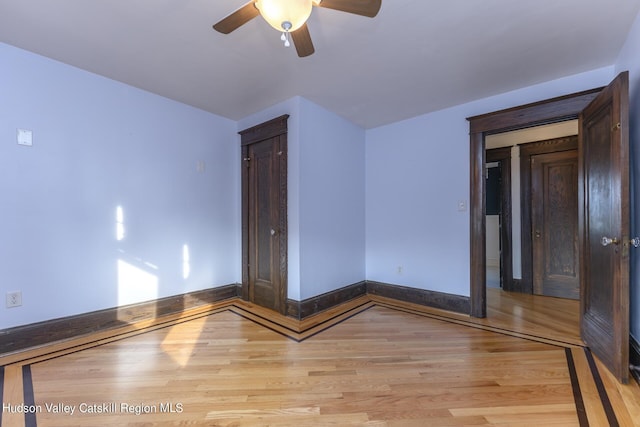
{"x": 290, "y": 17}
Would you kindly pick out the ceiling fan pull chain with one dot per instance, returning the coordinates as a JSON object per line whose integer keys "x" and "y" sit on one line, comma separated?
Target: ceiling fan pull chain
{"x": 286, "y": 26}
{"x": 285, "y": 39}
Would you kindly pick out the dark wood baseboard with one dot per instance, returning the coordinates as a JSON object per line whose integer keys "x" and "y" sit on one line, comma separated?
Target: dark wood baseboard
{"x": 306, "y": 308}
{"x": 36, "y": 334}
{"x": 634, "y": 357}
{"x": 450, "y": 302}
{"x": 310, "y": 306}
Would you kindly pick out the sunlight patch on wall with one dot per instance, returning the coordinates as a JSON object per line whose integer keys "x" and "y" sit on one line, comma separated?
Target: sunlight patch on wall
{"x": 186, "y": 262}
{"x": 120, "y": 232}
{"x": 135, "y": 284}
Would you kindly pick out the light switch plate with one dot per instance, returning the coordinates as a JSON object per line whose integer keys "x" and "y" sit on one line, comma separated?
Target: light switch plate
{"x": 14, "y": 299}
{"x": 25, "y": 137}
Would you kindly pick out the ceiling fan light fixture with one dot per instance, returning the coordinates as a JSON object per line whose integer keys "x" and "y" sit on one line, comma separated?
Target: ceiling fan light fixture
{"x": 285, "y": 13}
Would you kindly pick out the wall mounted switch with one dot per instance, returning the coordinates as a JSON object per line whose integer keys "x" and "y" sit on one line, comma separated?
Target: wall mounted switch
{"x": 25, "y": 137}
{"x": 14, "y": 299}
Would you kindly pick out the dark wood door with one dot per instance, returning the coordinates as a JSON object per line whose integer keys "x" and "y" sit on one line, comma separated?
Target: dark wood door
{"x": 264, "y": 214}
{"x": 604, "y": 226}
{"x": 554, "y": 220}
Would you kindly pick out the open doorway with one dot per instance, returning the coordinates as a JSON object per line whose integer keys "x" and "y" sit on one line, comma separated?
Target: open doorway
{"x": 603, "y": 209}
{"x": 494, "y": 225}
{"x": 509, "y": 223}
{"x": 555, "y": 110}
{"x": 499, "y": 264}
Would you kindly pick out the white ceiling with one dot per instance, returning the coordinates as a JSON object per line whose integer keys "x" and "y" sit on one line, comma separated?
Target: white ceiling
{"x": 415, "y": 57}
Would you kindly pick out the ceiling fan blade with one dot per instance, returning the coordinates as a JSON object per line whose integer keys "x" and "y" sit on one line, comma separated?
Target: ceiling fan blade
{"x": 238, "y": 18}
{"x": 367, "y": 8}
{"x": 302, "y": 41}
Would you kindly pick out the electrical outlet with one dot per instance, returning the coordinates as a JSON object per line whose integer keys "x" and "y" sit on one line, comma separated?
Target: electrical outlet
{"x": 14, "y": 299}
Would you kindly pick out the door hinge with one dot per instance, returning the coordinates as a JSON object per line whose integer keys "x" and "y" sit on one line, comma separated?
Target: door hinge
{"x": 247, "y": 161}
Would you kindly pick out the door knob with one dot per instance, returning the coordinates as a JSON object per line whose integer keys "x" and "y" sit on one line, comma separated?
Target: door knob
{"x": 606, "y": 241}
{"x": 273, "y": 232}
{"x": 538, "y": 234}
{"x": 635, "y": 242}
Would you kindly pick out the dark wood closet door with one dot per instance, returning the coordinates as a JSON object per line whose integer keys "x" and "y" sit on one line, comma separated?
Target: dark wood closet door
{"x": 554, "y": 220}
{"x": 264, "y": 196}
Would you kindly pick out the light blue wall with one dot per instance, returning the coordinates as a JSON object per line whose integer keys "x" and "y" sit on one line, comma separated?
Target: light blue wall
{"x": 325, "y": 197}
{"x": 99, "y": 144}
{"x": 629, "y": 60}
{"x": 417, "y": 173}
{"x": 332, "y": 244}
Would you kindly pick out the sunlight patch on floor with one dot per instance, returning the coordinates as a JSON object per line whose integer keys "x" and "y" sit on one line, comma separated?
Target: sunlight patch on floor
{"x": 180, "y": 343}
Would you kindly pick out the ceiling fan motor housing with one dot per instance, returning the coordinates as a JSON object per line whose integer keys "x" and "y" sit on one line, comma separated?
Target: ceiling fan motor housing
{"x": 281, "y": 14}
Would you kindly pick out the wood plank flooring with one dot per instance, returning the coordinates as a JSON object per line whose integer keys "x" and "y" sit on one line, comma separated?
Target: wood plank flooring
{"x": 370, "y": 362}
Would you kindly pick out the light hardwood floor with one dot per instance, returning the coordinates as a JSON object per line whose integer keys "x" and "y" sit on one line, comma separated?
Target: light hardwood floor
{"x": 370, "y": 362}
